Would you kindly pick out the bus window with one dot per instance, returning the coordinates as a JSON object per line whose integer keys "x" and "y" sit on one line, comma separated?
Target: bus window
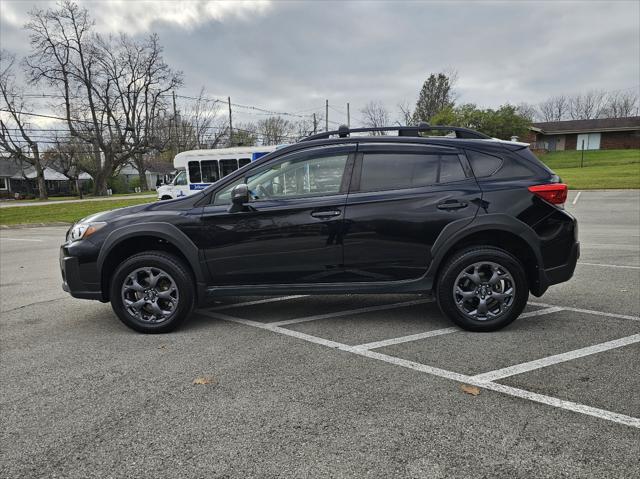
{"x": 195, "y": 176}
{"x": 210, "y": 171}
{"x": 228, "y": 166}
{"x": 244, "y": 161}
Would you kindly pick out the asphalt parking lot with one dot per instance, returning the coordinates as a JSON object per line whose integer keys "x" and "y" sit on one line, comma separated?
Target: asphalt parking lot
{"x": 327, "y": 386}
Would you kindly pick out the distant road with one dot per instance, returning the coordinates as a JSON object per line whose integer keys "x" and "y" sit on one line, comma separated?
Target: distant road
{"x": 16, "y": 204}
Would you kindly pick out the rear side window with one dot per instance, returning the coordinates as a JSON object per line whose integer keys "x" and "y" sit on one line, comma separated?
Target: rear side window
{"x": 482, "y": 164}
{"x": 390, "y": 171}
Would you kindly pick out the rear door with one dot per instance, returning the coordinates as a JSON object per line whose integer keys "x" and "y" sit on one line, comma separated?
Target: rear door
{"x": 291, "y": 232}
{"x": 401, "y": 198}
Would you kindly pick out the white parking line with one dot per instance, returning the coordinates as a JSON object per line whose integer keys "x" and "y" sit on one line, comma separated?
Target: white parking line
{"x": 555, "y": 359}
{"x": 405, "y": 339}
{"x": 443, "y": 373}
{"x": 609, "y": 265}
{"x": 540, "y": 312}
{"x": 588, "y": 311}
{"x": 367, "y": 309}
{"x": 258, "y": 301}
{"x": 575, "y": 200}
{"x": 21, "y": 239}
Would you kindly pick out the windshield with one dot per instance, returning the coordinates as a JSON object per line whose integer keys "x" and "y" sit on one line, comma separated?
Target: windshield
{"x": 180, "y": 179}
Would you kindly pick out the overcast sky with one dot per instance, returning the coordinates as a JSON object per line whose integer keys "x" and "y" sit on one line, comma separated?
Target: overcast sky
{"x": 291, "y": 55}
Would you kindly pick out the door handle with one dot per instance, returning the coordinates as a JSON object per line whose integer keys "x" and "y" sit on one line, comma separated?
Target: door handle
{"x": 326, "y": 213}
{"x": 452, "y": 205}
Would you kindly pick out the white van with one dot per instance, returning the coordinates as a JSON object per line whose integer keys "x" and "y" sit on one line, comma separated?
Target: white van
{"x": 197, "y": 169}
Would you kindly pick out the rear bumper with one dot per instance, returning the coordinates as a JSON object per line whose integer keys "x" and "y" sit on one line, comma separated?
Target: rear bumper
{"x": 73, "y": 274}
{"x": 559, "y": 274}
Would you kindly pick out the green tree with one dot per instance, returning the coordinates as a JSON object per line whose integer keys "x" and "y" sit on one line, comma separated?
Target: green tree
{"x": 502, "y": 123}
{"x": 436, "y": 95}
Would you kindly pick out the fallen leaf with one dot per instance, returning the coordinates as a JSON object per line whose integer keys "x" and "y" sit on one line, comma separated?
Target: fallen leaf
{"x": 204, "y": 380}
{"x": 162, "y": 346}
{"x": 474, "y": 391}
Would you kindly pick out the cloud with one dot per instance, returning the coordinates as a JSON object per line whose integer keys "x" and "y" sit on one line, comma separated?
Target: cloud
{"x": 290, "y": 56}
{"x": 141, "y": 15}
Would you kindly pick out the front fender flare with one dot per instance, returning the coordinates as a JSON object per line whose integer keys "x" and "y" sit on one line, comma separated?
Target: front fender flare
{"x": 165, "y": 231}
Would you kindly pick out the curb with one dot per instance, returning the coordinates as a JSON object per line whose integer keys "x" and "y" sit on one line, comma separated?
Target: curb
{"x": 32, "y": 225}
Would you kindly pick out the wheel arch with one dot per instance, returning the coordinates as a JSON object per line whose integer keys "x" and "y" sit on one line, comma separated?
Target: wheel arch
{"x": 124, "y": 242}
{"x": 501, "y": 231}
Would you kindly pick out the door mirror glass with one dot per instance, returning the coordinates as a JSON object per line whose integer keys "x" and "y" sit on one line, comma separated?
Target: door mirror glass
{"x": 240, "y": 195}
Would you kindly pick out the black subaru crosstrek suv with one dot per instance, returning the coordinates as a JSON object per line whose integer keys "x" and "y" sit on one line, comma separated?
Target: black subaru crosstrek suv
{"x": 477, "y": 222}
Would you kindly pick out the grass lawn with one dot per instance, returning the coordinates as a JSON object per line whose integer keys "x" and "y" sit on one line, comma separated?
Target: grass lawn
{"x": 602, "y": 168}
{"x": 68, "y": 213}
{"x": 86, "y": 197}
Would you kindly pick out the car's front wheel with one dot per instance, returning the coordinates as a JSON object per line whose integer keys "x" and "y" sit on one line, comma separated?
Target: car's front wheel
{"x": 482, "y": 288}
{"x": 152, "y": 292}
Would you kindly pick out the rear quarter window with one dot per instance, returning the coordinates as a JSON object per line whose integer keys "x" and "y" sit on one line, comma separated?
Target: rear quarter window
{"x": 485, "y": 165}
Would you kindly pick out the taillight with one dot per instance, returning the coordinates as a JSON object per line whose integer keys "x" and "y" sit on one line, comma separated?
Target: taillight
{"x": 554, "y": 193}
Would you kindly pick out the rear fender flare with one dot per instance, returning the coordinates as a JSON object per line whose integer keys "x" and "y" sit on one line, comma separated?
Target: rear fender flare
{"x": 453, "y": 233}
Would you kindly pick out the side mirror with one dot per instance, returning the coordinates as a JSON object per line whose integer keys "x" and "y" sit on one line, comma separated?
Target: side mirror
{"x": 240, "y": 195}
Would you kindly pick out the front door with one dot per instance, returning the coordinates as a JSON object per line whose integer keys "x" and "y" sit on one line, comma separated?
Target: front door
{"x": 401, "y": 198}
{"x": 291, "y": 231}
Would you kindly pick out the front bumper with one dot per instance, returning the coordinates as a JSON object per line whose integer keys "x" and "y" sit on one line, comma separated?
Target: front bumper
{"x": 79, "y": 279}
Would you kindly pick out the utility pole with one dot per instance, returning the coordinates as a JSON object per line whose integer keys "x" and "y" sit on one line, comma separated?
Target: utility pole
{"x": 175, "y": 123}
{"x": 230, "y": 122}
{"x": 326, "y": 116}
{"x": 315, "y": 124}
{"x": 348, "y": 116}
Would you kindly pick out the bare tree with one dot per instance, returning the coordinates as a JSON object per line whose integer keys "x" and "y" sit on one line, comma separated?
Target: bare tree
{"x": 67, "y": 156}
{"x": 15, "y": 138}
{"x": 406, "y": 114}
{"x": 208, "y": 125}
{"x": 244, "y": 134}
{"x": 586, "y": 106}
{"x": 140, "y": 80}
{"x": 375, "y": 115}
{"x": 275, "y": 130}
{"x": 555, "y": 108}
{"x": 112, "y": 89}
{"x": 620, "y": 104}
{"x": 528, "y": 111}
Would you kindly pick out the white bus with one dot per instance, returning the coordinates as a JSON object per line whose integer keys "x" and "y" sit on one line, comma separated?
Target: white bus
{"x": 197, "y": 169}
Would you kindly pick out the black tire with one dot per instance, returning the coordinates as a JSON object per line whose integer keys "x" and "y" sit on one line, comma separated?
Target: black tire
{"x": 174, "y": 273}
{"x": 456, "y": 271}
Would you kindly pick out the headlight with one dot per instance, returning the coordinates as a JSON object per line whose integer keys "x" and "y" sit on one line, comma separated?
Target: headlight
{"x": 83, "y": 230}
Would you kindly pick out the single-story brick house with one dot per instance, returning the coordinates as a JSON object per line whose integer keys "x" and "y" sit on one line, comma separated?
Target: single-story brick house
{"x": 597, "y": 134}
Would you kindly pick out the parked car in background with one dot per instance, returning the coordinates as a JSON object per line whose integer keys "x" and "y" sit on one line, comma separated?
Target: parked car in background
{"x": 478, "y": 222}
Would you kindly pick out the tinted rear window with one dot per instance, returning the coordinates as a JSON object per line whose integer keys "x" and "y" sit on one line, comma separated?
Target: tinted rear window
{"x": 483, "y": 164}
{"x": 389, "y": 171}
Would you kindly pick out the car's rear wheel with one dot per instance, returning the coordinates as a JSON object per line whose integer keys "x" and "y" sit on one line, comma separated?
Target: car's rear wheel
{"x": 482, "y": 289}
{"x": 152, "y": 292}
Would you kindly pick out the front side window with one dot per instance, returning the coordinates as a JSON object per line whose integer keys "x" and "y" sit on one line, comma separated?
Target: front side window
{"x": 299, "y": 177}
{"x": 293, "y": 177}
{"x": 391, "y": 171}
{"x": 195, "y": 175}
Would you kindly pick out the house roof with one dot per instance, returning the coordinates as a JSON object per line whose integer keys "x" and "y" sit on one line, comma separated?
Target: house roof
{"x": 595, "y": 125}
{"x": 14, "y": 169}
